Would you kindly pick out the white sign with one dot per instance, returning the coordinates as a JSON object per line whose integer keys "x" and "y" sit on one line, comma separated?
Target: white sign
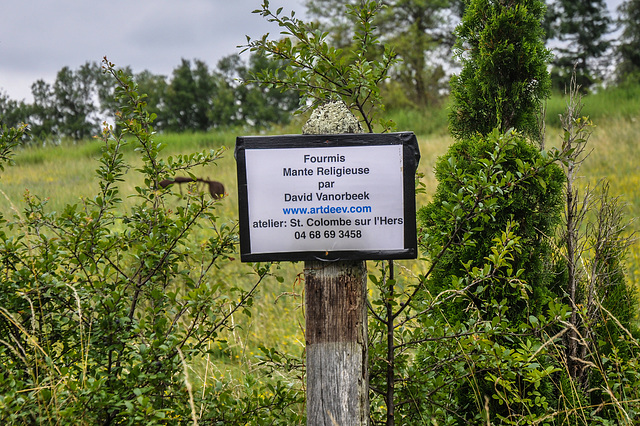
{"x": 325, "y": 199}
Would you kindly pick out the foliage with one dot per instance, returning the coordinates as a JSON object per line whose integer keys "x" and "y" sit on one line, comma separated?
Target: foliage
{"x": 629, "y": 65}
{"x": 73, "y": 92}
{"x": 12, "y": 113}
{"x": 42, "y": 116}
{"x": 321, "y": 72}
{"x": 534, "y": 206}
{"x": 155, "y": 88}
{"x": 259, "y": 105}
{"x": 504, "y": 78}
{"x": 582, "y": 27}
{"x": 104, "y": 312}
{"x": 417, "y": 31}
{"x": 484, "y": 231}
{"x": 198, "y": 99}
{"x": 68, "y": 107}
{"x": 9, "y": 139}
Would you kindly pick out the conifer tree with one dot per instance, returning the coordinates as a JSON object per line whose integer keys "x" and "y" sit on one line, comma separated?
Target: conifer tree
{"x": 497, "y": 99}
{"x": 504, "y": 78}
{"x": 582, "y": 26}
{"x": 628, "y": 51}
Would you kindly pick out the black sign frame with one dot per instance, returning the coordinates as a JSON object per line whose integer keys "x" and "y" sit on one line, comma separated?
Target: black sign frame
{"x": 411, "y": 158}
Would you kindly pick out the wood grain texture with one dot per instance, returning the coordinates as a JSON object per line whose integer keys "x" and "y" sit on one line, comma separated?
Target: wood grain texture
{"x": 336, "y": 334}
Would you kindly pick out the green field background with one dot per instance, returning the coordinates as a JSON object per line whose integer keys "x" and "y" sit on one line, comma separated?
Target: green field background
{"x": 65, "y": 175}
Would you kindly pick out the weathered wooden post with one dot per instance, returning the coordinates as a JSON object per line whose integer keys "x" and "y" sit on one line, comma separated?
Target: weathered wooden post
{"x": 336, "y": 317}
{"x": 333, "y": 197}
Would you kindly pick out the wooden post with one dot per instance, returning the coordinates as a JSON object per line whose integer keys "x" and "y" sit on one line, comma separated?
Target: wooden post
{"x": 336, "y": 317}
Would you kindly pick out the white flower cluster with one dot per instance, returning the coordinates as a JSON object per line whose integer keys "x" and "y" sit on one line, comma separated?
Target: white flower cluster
{"x": 331, "y": 118}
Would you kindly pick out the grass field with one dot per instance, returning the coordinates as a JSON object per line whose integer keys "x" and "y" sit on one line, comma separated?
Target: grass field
{"x": 65, "y": 175}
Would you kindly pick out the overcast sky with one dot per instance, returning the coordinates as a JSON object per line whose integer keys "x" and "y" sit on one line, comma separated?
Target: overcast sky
{"x": 39, "y": 37}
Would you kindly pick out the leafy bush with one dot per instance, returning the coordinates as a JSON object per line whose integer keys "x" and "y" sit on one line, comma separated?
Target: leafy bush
{"x": 104, "y": 313}
{"x": 320, "y": 72}
{"x": 484, "y": 233}
{"x": 514, "y": 195}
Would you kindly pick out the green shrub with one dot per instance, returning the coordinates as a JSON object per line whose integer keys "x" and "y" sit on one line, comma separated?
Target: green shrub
{"x": 504, "y": 77}
{"x": 534, "y": 204}
{"x": 105, "y": 312}
{"x": 486, "y": 232}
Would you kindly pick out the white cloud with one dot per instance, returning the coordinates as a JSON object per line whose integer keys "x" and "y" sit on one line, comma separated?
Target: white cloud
{"x": 38, "y": 38}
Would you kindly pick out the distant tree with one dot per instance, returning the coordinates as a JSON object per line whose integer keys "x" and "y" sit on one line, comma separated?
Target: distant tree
{"x": 504, "y": 77}
{"x": 76, "y": 101}
{"x": 194, "y": 98}
{"x": 12, "y": 112}
{"x": 206, "y": 84}
{"x": 261, "y": 105}
{"x": 629, "y": 47}
{"x": 581, "y": 25}
{"x": 329, "y": 16}
{"x": 43, "y": 117}
{"x": 226, "y": 105}
{"x": 417, "y": 30}
{"x": 414, "y": 29}
{"x": 155, "y": 87}
{"x": 200, "y": 99}
{"x": 181, "y": 98}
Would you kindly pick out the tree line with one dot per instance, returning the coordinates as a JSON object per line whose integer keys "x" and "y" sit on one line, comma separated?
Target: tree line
{"x": 194, "y": 98}
{"x": 419, "y": 33}
{"x": 522, "y": 315}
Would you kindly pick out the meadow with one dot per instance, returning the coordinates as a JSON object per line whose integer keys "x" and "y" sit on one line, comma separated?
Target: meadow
{"x": 65, "y": 175}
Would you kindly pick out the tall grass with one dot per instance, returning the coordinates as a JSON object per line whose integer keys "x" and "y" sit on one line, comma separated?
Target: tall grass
{"x": 616, "y": 103}
{"x": 616, "y": 158}
{"x": 65, "y": 175}
{"x": 430, "y": 121}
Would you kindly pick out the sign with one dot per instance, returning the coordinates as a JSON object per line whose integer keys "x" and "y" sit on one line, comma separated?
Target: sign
{"x": 327, "y": 197}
